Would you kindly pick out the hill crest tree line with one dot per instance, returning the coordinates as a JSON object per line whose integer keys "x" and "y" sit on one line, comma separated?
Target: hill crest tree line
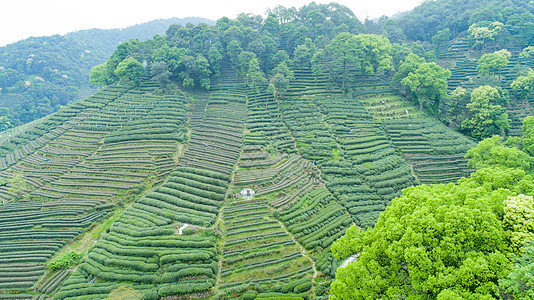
{"x": 329, "y": 39}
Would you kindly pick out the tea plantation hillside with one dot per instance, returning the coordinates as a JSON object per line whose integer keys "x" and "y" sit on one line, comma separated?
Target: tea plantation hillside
{"x": 245, "y": 159}
{"x": 463, "y": 62}
{"x": 317, "y": 161}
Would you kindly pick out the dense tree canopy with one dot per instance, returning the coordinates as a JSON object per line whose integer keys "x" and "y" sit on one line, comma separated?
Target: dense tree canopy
{"x": 493, "y": 152}
{"x": 488, "y": 117}
{"x": 130, "y": 69}
{"x": 523, "y": 84}
{"x": 452, "y": 241}
{"x": 492, "y": 63}
{"x": 368, "y": 53}
{"x": 293, "y": 36}
{"x": 433, "y": 241}
{"x": 427, "y": 81}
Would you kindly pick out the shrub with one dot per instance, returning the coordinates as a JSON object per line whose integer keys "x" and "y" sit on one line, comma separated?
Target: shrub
{"x": 65, "y": 261}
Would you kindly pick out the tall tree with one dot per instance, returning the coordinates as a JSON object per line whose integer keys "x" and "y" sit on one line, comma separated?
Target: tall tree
{"x": 160, "y": 71}
{"x": 457, "y": 106}
{"x": 523, "y": 85}
{"x": 492, "y": 63}
{"x": 369, "y": 53}
{"x": 488, "y": 117}
{"x": 410, "y": 64}
{"x": 130, "y": 69}
{"x": 97, "y": 76}
{"x": 317, "y": 64}
{"x": 428, "y": 83}
{"x": 304, "y": 53}
{"x": 254, "y": 76}
{"x": 434, "y": 242}
{"x": 372, "y": 53}
{"x": 215, "y": 58}
{"x": 483, "y": 32}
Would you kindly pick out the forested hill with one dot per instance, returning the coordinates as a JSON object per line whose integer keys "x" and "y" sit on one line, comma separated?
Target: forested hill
{"x": 39, "y": 74}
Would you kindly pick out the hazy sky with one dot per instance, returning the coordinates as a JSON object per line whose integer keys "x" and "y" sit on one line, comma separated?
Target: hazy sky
{"x": 22, "y": 19}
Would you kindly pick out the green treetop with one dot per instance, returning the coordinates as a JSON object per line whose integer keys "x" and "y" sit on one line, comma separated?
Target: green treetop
{"x": 254, "y": 75}
{"x": 428, "y": 83}
{"x": 97, "y": 76}
{"x": 493, "y": 152}
{"x": 528, "y": 135}
{"x": 483, "y": 32}
{"x": 488, "y": 117}
{"x": 492, "y": 63}
{"x": 17, "y": 185}
{"x": 130, "y": 69}
{"x": 369, "y": 53}
{"x": 527, "y": 52}
{"x": 523, "y": 84}
{"x": 431, "y": 242}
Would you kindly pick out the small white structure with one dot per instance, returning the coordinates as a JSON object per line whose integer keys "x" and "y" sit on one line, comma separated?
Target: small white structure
{"x": 349, "y": 260}
{"x": 247, "y": 193}
{"x": 182, "y": 228}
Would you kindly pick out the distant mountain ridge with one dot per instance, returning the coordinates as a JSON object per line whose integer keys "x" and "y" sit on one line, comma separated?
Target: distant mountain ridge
{"x": 38, "y": 74}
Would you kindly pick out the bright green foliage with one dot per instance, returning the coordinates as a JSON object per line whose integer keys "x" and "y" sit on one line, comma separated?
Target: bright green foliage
{"x": 97, "y": 76}
{"x": 373, "y": 54}
{"x": 515, "y": 180}
{"x": 519, "y": 221}
{"x": 410, "y": 65}
{"x": 488, "y": 117}
{"x": 65, "y": 261}
{"x": 527, "y": 52}
{"x": 524, "y": 84}
{"x": 428, "y": 82}
{"x": 132, "y": 48}
{"x": 283, "y": 69}
{"x": 435, "y": 241}
{"x": 170, "y": 55}
{"x": 492, "y": 63}
{"x": 492, "y": 152}
{"x": 280, "y": 84}
{"x": 130, "y": 69}
{"x": 483, "y": 32}
{"x": 518, "y": 285}
{"x": 4, "y": 123}
{"x": 528, "y": 135}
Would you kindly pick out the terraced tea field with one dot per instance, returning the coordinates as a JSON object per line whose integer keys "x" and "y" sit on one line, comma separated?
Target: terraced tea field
{"x": 168, "y": 171}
